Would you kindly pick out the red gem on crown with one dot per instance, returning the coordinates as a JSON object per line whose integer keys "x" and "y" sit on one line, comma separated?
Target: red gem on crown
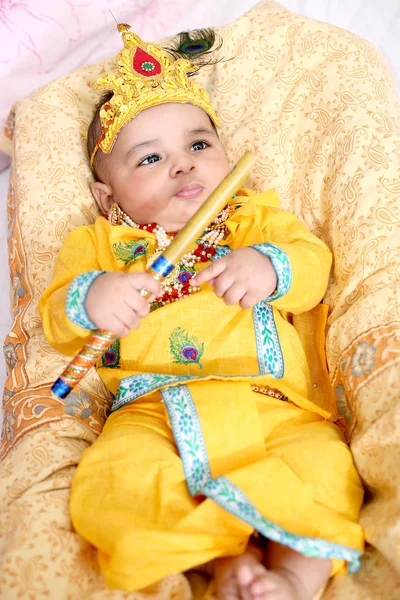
{"x": 145, "y": 64}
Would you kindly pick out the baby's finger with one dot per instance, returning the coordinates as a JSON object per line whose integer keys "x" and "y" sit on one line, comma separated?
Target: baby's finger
{"x": 144, "y": 281}
{"x": 116, "y": 326}
{"x": 210, "y": 272}
{"x": 128, "y": 317}
{"x": 248, "y": 301}
{"x": 222, "y": 283}
{"x": 138, "y": 303}
{"x": 234, "y": 294}
{"x": 211, "y": 282}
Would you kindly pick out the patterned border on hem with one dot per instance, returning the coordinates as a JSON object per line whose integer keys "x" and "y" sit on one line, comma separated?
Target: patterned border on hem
{"x": 281, "y": 263}
{"x": 220, "y": 252}
{"x": 134, "y": 386}
{"x": 188, "y": 435}
{"x": 232, "y": 499}
{"x": 269, "y": 351}
{"x": 76, "y": 296}
{"x": 269, "y": 354}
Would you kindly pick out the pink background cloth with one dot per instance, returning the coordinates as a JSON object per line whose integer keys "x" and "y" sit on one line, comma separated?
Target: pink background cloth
{"x": 43, "y": 39}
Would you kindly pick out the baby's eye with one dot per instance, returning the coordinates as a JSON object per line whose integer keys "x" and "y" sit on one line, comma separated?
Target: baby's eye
{"x": 152, "y": 158}
{"x": 199, "y": 145}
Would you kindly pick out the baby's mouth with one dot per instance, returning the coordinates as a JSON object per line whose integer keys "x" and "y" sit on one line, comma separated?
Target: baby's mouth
{"x": 190, "y": 191}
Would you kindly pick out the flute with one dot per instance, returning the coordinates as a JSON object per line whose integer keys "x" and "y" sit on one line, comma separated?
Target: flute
{"x": 101, "y": 340}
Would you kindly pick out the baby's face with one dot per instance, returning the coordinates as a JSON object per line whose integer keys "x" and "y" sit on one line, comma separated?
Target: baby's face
{"x": 165, "y": 164}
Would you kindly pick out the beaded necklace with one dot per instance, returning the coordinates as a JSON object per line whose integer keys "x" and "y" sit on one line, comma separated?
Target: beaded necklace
{"x": 177, "y": 285}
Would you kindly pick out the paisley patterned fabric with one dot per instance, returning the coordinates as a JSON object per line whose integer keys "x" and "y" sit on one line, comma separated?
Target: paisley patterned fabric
{"x": 318, "y": 106}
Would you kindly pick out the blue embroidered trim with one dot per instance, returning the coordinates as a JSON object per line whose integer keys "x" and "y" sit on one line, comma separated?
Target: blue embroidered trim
{"x": 189, "y": 439}
{"x": 269, "y": 351}
{"x": 269, "y": 354}
{"x": 232, "y": 499}
{"x": 188, "y": 436}
{"x": 76, "y": 296}
{"x": 220, "y": 252}
{"x": 134, "y": 386}
{"x": 281, "y": 263}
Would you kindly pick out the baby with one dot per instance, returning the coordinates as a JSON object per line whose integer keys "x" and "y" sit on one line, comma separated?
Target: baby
{"x": 214, "y": 455}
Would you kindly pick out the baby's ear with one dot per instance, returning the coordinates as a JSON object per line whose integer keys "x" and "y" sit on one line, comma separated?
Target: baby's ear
{"x": 102, "y": 193}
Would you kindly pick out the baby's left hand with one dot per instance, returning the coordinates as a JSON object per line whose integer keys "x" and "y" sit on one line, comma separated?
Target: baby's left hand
{"x": 244, "y": 275}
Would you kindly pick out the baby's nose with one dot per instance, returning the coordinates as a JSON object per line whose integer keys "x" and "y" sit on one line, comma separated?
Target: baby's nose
{"x": 183, "y": 164}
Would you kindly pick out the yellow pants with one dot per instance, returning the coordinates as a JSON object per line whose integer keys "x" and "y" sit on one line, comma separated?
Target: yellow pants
{"x": 130, "y": 498}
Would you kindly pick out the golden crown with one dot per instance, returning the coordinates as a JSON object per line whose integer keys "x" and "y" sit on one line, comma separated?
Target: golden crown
{"x": 146, "y": 76}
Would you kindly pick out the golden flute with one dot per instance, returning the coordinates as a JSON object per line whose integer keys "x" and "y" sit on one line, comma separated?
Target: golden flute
{"x": 101, "y": 340}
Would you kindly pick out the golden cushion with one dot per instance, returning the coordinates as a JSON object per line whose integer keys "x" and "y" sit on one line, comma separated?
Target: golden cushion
{"x": 318, "y": 106}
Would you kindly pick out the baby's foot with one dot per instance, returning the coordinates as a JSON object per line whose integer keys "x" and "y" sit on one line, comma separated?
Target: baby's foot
{"x": 256, "y": 582}
{"x": 246, "y": 578}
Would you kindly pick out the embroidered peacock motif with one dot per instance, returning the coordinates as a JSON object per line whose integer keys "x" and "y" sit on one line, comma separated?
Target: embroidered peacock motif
{"x": 111, "y": 358}
{"x": 185, "y": 348}
{"x": 129, "y": 251}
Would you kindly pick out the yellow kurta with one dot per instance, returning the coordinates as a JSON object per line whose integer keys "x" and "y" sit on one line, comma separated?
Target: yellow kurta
{"x": 192, "y": 461}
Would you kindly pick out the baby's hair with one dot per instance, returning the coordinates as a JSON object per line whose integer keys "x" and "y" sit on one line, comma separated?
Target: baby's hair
{"x": 93, "y": 134}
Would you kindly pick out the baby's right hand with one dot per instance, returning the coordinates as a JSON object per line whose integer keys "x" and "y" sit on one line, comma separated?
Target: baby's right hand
{"x": 114, "y": 302}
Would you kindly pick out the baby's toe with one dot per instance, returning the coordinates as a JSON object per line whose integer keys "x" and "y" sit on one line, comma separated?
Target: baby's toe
{"x": 261, "y": 586}
{"x": 245, "y": 575}
{"x": 254, "y": 582}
